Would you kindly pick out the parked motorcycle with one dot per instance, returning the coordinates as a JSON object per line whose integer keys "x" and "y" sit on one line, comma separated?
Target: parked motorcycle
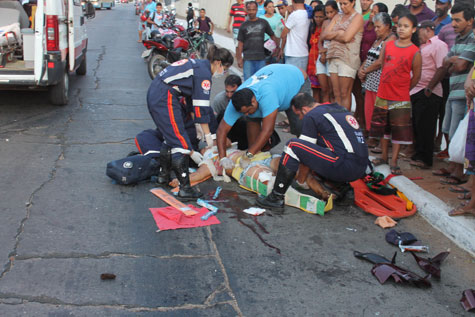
{"x": 163, "y": 51}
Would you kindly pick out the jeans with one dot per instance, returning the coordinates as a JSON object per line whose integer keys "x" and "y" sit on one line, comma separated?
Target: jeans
{"x": 210, "y": 38}
{"x": 250, "y": 67}
{"x": 454, "y": 112}
{"x": 235, "y": 35}
{"x": 300, "y": 62}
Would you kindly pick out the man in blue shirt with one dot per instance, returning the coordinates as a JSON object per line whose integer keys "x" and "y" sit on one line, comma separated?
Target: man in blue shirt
{"x": 331, "y": 145}
{"x": 442, "y": 16}
{"x": 260, "y": 98}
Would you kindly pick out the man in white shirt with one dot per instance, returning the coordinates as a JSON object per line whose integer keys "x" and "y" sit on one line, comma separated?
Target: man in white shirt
{"x": 294, "y": 36}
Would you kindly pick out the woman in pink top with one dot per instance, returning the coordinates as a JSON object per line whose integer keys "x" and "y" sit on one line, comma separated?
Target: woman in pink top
{"x": 345, "y": 32}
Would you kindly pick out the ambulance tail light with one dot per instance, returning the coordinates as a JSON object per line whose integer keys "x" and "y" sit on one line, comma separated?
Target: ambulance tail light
{"x": 52, "y": 38}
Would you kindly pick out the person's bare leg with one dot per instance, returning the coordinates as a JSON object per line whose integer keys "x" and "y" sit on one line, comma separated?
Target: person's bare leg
{"x": 396, "y": 149}
{"x": 201, "y": 173}
{"x": 325, "y": 89}
{"x": 302, "y": 173}
{"x": 318, "y": 188}
{"x": 336, "y": 87}
{"x": 140, "y": 36}
{"x": 359, "y": 111}
{"x": 346, "y": 85}
{"x": 384, "y": 148}
{"x": 469, "y": 208}
{"x": 253, "y": 131}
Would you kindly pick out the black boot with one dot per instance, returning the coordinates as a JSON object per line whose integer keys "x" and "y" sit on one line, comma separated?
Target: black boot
{"x": 275, "y": 200}
{"x": 165, "y": 165}
{"x": 180, "y": 166}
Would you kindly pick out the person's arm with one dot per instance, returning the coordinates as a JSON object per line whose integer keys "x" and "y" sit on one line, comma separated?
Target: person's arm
{"x": 416, "y": 69}
{"x": 212, "y": 26}
{"x": 439, "y": 74}
{"x": 283, "y": 41}
{"x": 221, "y": 134}
{"x": 268, "y": 124}
{"x": 239, "y": 54}
{"x": 355, "y": 26}
{"x": 460, "y": 65}
{"x": 230, "y": 20}
{"x": 277, "y": 43}
{"x": 470, "y": 86}
{"x": 327, "y": 33}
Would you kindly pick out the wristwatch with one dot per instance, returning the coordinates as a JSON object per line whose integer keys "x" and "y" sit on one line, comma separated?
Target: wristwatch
{"x": 249, "y": 155}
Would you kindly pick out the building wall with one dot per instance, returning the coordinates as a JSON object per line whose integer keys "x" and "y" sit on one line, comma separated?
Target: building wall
{"x": 218, "y": 10}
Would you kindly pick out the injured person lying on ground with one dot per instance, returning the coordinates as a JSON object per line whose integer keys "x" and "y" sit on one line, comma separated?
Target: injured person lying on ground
{"x": 258, "y": 175}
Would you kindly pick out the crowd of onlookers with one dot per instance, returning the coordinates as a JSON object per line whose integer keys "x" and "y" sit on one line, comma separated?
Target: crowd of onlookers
{"x": 406, "y": 72}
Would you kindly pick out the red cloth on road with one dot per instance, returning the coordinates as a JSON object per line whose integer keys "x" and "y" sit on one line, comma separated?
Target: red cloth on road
{"x": 170, "y": 218}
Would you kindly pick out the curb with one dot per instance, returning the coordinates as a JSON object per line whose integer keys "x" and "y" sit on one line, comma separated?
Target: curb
{"x": 461, "y": 230}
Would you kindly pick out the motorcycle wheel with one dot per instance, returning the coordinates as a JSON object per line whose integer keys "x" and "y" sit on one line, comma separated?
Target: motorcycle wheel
{"x": 156, "y": 64}
{"x": 203, "y": 49}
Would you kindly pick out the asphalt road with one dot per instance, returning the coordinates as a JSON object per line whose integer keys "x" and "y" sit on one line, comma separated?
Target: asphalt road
{"x": 63, "y": 222}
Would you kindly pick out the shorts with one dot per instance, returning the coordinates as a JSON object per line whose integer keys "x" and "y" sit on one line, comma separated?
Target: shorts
{"x": 337, "y": 66}
{"x": 235, "y": 35}
{"x": 142, "y": 25}
{"x": 322, "y": 69}
{"x": 392, "y": 120}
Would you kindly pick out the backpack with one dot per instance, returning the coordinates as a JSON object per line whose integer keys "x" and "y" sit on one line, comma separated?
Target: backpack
{"x": 132, "y": 169}
{"x": 190, "y": 12}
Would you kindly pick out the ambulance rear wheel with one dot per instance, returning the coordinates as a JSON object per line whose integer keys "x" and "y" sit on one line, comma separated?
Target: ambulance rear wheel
{"x": 59, "y": 93}
{"x": 82, "y": 69}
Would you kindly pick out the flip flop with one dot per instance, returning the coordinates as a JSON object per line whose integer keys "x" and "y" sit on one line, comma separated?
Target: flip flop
{"x": 452, "y": 180}
{"x": 419, "y": 164}
{"x": 465, "y": 196}
{"x": 461, "y": 211}
{"x": 458, "y": 189}
{"x": 379, "y": 161}
{"x": 377, "y": 150}
{"x": 395, "y": 170}
{"x": 441, "y": 172}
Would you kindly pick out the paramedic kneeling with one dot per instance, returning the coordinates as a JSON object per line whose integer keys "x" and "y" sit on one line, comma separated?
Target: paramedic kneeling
{"x": 259, "y": 99}
{"x": 190, "y": 79}
{"x": 331, "y": 145}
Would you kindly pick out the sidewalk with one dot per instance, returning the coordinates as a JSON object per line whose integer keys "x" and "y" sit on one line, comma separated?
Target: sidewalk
{"x": 433, "y": 199}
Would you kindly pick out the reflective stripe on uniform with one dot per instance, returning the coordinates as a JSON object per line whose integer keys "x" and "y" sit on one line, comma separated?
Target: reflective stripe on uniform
{"x": 200, "y": 103}
{"x": 179, "y": 150}
{"x": 152, "y": 152}
{"x": 308, "y": 139}
{"x": 340, "y": 132}
{"x": 291, "y": 153}
{"x": 186, "y": 74}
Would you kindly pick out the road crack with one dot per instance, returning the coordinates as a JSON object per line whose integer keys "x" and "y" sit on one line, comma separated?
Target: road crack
{"x": 100, "y": 58}
{"x": 233, "y": 302}
{"x": 15, "y": 299}
{"x": 108, "y": 255}
{"x": 29, "y": 204}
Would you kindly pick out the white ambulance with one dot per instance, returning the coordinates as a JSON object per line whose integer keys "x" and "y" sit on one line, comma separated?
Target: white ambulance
{"x": 42, "y": 55}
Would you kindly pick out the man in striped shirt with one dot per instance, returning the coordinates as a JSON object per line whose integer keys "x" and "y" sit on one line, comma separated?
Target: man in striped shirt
{"x": 458, "y": 64}
{"x": 237, "y": 15}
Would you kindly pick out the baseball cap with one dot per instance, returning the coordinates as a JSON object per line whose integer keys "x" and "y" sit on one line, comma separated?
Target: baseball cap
{"x": 285, "y": 3}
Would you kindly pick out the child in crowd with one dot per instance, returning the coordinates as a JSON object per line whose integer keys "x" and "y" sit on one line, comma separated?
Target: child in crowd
{"x": 392, "y": 110}
{"x": 313, "y": 38}
{"x": 331, "y": 9}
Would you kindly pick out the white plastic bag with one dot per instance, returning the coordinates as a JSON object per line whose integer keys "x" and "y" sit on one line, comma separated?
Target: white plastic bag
{"x": 457, "y": 143}
{"x": 10, "y": 34}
